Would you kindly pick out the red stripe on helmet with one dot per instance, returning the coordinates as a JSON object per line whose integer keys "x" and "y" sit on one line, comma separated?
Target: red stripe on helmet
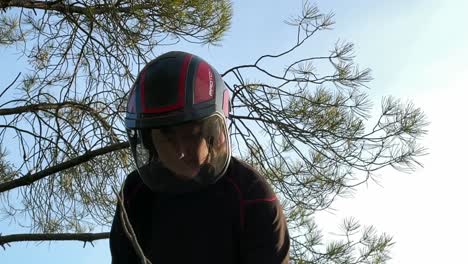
{"x": 182, "y": 79}
{"x": 142, "y": 90}
{"x": 204, "y": 83}
{"x": 226, "y": 102}
{"x": 181, "y": 94}
{"x": 131, "y": 106}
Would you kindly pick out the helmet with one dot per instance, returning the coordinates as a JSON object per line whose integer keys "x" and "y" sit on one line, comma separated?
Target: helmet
{"x": 176, "y": 123}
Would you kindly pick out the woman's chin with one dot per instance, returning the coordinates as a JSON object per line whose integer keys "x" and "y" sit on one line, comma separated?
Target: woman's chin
{"x": 188, "y": 173}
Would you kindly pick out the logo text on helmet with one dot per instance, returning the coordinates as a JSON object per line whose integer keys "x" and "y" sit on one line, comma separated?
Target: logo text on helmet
{"x": 210, "y": 77}
{"x": 205, "y": 84}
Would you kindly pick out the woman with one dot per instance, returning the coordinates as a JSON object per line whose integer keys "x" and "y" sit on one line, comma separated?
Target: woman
{"x": 189, "y": 201}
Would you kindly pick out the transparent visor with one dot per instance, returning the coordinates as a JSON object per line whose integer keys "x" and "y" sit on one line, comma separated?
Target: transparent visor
{"x": 198, "y": 151}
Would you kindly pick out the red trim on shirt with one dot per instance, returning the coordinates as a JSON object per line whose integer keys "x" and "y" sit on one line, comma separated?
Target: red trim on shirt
{"x": 241, "y": 201}
{"x": 271, "y": 199}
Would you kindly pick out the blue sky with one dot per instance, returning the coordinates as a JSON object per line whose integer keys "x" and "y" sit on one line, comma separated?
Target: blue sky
{"x": 417, "y": 51}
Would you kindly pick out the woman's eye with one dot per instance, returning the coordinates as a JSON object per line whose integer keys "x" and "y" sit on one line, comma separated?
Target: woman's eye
{"x": 197, "y": 135}
{"x": 171, "y": 138}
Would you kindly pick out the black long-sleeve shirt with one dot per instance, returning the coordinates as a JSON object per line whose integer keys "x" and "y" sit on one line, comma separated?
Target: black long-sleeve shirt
{"x": 236, "y": 220}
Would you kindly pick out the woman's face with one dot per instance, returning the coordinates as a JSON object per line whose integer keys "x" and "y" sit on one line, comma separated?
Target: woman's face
{"x": 182, "y": 149}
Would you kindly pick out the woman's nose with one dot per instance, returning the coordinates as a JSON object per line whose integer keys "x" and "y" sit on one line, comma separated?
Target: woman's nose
{"x": 184, "y": 148}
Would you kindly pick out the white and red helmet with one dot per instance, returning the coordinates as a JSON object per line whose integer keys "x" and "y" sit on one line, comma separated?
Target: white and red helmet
{"x": 176, "y": 89}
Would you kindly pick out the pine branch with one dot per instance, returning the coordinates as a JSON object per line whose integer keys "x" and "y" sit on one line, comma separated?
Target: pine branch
{"x": 84, "y": 237}
{"x": 43, "y": 107}
{"x": 72, "y": 8}
{"x": 48, "y": 106}
{"x": 31, "y": 178}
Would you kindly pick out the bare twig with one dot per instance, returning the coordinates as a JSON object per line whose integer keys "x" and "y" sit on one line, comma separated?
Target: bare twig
{"x": 128, "y": 229}
{"x": 10, "y": 85}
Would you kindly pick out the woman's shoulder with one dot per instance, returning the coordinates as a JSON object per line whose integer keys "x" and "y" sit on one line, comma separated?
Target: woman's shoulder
{"x": 249, "y": 181}
{"x": 133, "y": 187}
